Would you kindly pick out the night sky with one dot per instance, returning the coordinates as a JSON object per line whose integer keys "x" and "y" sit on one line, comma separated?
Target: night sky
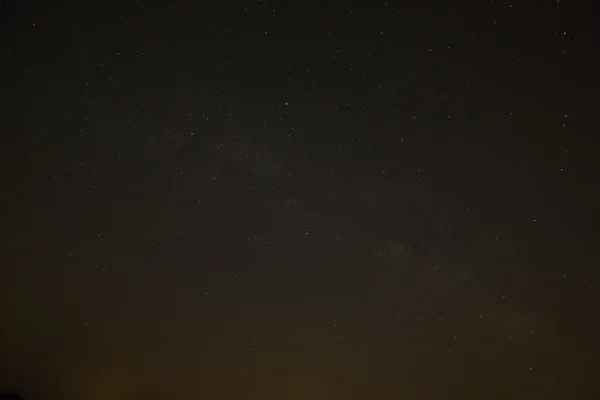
{"x": 284, "y": 200}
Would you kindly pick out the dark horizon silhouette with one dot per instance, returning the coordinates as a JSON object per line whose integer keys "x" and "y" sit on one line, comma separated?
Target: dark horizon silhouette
{"x": 10, "y": 396}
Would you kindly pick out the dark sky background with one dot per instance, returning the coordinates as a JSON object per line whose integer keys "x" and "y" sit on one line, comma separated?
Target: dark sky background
{"x": 277, "y": 200}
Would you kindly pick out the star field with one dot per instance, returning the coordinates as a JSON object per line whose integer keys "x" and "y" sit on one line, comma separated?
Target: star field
{"x": 287, "y": 200}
